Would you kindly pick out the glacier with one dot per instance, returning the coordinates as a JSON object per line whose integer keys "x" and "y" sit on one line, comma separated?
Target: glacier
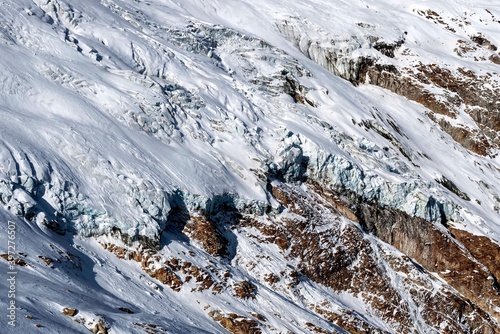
{"x": 121, "y": 122}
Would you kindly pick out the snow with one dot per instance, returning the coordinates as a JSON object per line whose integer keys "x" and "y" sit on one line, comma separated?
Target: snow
{"x": 107, "y": 108}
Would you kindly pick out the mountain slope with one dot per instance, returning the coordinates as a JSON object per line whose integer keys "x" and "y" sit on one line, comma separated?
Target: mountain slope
{"x": 251, "y": 166}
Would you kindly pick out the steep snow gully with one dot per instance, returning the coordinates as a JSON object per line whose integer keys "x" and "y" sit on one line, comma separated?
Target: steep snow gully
{"x": 249, "y": 166}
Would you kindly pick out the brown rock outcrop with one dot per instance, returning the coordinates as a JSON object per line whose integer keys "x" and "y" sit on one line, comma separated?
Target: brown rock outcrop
{"x": 205, "y": 232}
{"x": 70, "y": 312}
{"x": 436, "y": 250}
{"x": 462, "y": 89}
{"x": 245, "y": 290}
{"x": 482, "y": 248}
{"x": 235, "y": 323}
{"x": 344, "y": 259}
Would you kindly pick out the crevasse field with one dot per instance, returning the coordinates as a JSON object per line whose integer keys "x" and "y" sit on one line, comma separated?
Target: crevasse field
{"x": 122, "y": 120}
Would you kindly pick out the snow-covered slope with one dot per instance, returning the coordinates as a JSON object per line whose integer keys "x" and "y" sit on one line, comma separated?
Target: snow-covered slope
{"x": 251, "y": 166}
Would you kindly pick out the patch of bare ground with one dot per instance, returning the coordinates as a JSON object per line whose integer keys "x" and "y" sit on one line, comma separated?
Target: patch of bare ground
{"x": 17, "y": 261}
{"x": 245, "y": 290}
{"x": 205, "y": 232}
{"x": 235, "y": 323}
{"x": 169, "y": 272}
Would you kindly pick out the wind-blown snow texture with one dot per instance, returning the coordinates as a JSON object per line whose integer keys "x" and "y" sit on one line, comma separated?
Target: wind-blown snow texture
{"x": 111, "y": 112}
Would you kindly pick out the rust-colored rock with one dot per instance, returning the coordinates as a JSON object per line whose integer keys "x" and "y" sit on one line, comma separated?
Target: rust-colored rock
{"x": 482, "y": 248}
{"x": 436, "y": 250}
{"x": 235, "y": 323}
{"x": 462, "y": 89}
{"x": 271, "y": 278}
{"x": 70, "y": 312}
{"x": 169, "y": 272}
{"x": 48, "y": 261}
{"x": 258, "y": 316}
{"x": 316, "y": 329}
{"x": 17, "y": 261}
{"x": 100, "y": 328}
{"x": 166, "y": 276}
{"x": 244, "y": 290}
{"x": 342, "y": 258}
{"x": 347, "y": 321}
{"x": 205, "y": 232}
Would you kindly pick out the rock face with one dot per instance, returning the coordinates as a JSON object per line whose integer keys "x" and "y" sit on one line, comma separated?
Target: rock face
{"x": 461, "y": 90}
{"x": 353, "y": 261}
{"x": 236, "y": 324}
{"x": 70, "y": 312}
{"x": 436, "y": 250}
{"x": 330, "y": 241}
{"x": 207, "y": 234}
{"x": 448, "y": 92}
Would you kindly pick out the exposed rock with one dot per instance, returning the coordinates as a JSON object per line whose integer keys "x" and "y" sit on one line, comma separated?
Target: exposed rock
{"x": 482, "y": 248}
{"x": 70, "y": 312}
{"x": 259, "y": 316}
{"x": 273, "y": 278}
{"x": 388, "y": 49}
{"x": 55, "y": 227}
{"x": 205, "y": 232}
{"x": 166, "y": 276}
{"x": 482, "y": 41}
{"x": 17, "y": 261}
{"x": 293, "y": 88}
{"x": 463, "y": 88}
{"x": 100, "y": 327}
{"x": 435, "y": 250}
{"x": 347, "y": 321}
{"x": 126, "y": 310}
{"x": 235, "y": 323}
{"x": 460, "y": 88}
{"x": 245, "y": 290}
{"x": 48, "y": 261}
{"x": 148, "y": 263}
{"x": 351, "y": 262}
{"x": 151, "y": 328}
{"x": 321, "y": 209}
{"x": 436, "y": 18}
{"x": 495, "y": 59}
{"x": 340, "y": 256}
{"x": 170, "y": 271}
{"x": 316, "y": 329}
{"x": 452, "y": 187}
